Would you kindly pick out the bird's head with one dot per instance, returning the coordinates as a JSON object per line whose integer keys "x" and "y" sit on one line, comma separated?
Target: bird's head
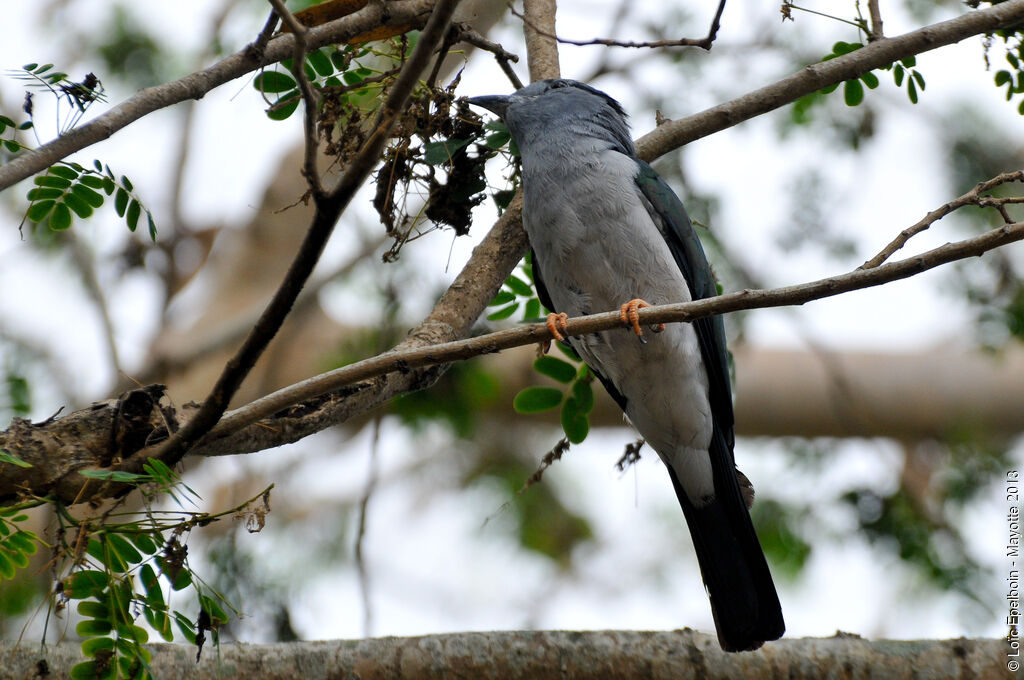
{"x": 551, "y": 111}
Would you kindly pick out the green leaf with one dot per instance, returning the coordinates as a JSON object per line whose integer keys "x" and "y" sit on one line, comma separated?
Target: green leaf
{"x": 24, "y": 542}
{"x": 518, "y": 286}
{"x": 94, "y": 645}
{"x": 560, "y": 370}
{"x": 133, "y": 633}
{"x": 853, "y": 92}
{"x": 91, "y": 609}
{"x": 18, "y": 559}
{"x": 37, "y": 212}
{"x": 909, "y": 62}
{"x": 584, "y": 395}
{"x": 84, "y": 671}
{"x": 1003, "y": 78}
{"x": 145, "y": 543}
{"x": 274, "y": 82}
{"x": 1020, "y": 108}
{"x": 897, "y": 75}
{"x": 211, "y": 607}
{"x": 504, "y": 312}
{"x": 93, "y": 627}
{"x": 7, "y": 569}
{"x": 284, "y": 107}
{"x": 12, "y": 145}
{"x": 111, "y": 560}
{"x": 532, "y": 309}
{"x": 80, "y": 207}
{"x": 8, "y": 457}
{"x": 61, "y": 218}
{"x": 151, "y": 225}
{"x": 121, "y": 201}
{"x": 52, "y": 181}
{"x": 97, "y": 164}
{"x": 497, "y": 140}
{"x": 320, "y": 62}
{"x": 503, "y": 297}
{"x": 186, "y": 627}
{"x": 114, "y": 475}
{"x": 436, "y": 153}
{"x": 125, "y": 550}
{"x": 870, "y": 79}
{"x": 127, "y": 183}
{"x": 133, "y": 214}
{"x": 537, "y": 399}
{"x": 912, "y": 91}
{"x": 40, "y": 193}
{"x": 90, "y": 196}
{"x": 64, "y": 171}
{"x": 85, "y": 583}
{"x": 916, "y": 75}
{"x": 5, "y": 122}
{"x": 575, "y": 423}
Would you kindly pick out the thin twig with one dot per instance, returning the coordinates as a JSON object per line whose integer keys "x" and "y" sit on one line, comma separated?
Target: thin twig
{"x": 703, "y": 43}
{"x": 972, "y": 197}
{"x": 876, "y": 21}
{"x": 364, "y": 505}
{"x": 404, "y": 361}
{"x": 328, "y": 209}
{"x": 501, "y": 55}
{"x": 310, "y": 97}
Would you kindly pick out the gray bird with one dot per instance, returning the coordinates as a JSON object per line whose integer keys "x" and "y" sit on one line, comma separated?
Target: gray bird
{"x": 608, "y": 232}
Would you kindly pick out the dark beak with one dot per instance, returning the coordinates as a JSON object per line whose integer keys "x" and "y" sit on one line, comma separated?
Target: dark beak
{"x": 495, "y": 103}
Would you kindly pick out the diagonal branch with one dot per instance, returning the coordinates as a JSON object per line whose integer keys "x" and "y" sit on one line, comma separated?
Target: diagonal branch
{"x": 799, "y": 294}
{"x": 972, "y": 197}
{"x": 196, "y": 85}
{"x": 675, "y": 134}
{"x": 310, "y": 97}
{"x": 328, "y": 208}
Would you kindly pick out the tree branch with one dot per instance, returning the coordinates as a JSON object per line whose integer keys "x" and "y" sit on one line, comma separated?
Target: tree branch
{"x": 328, "y": 208}
{"x": 704, "y": 43}
{"x": 972, "y": 197}
{"x": 404, "y": 360}
{"x": 310, "y": 98}
{"x": 543, "y": 655}
{"x": 675, "y": 134}
{"x": 541, "y": 45}
{"x": 196, "y": 85}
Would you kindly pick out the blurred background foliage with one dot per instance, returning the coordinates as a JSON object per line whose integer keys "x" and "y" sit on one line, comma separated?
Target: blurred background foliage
{"x": 459, "y": 437}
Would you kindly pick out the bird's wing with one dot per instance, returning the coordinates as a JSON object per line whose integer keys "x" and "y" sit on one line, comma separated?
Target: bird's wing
{"x": 545, "y": 299}
{"x": 668, "y": 213}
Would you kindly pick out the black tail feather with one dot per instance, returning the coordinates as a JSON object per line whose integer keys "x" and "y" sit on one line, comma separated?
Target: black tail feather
{"x": 743, "y": 597}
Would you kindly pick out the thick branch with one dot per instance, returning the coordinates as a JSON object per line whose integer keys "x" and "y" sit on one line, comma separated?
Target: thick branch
{"x": 675, "y": 134}
{"x": 196, "y": 85}
{"x": 328, "y": 209}
{"x": 541, "y": 45}
{"x": 403, "y": 361}
{"x": 540, "y": 655}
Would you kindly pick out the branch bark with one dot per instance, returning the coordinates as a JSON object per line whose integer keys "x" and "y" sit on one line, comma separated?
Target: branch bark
{"x": 540, "y": 655}
{"x": 120, "y": 433}
{"x": 196, "y": 85}
{"x": 674, "y": 134}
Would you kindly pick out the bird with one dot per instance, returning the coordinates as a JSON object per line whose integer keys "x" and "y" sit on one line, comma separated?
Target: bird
{"x": 606, "y": 232}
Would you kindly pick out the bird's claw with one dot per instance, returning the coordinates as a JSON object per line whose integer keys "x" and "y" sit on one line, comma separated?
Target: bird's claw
{"x": 630, "y": 316}
{"x": 557, "y": 323}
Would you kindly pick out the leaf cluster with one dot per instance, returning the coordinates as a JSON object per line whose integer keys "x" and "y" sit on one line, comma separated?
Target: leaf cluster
{"x": 67, "y": 189}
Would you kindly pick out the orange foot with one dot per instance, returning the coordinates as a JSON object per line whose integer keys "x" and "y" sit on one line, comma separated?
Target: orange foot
{"x": 556, "y": 324}
{"x": 629, "y": 315}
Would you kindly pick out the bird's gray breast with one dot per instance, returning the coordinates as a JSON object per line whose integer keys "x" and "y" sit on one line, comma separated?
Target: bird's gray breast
{"x": 598, "y": 246}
